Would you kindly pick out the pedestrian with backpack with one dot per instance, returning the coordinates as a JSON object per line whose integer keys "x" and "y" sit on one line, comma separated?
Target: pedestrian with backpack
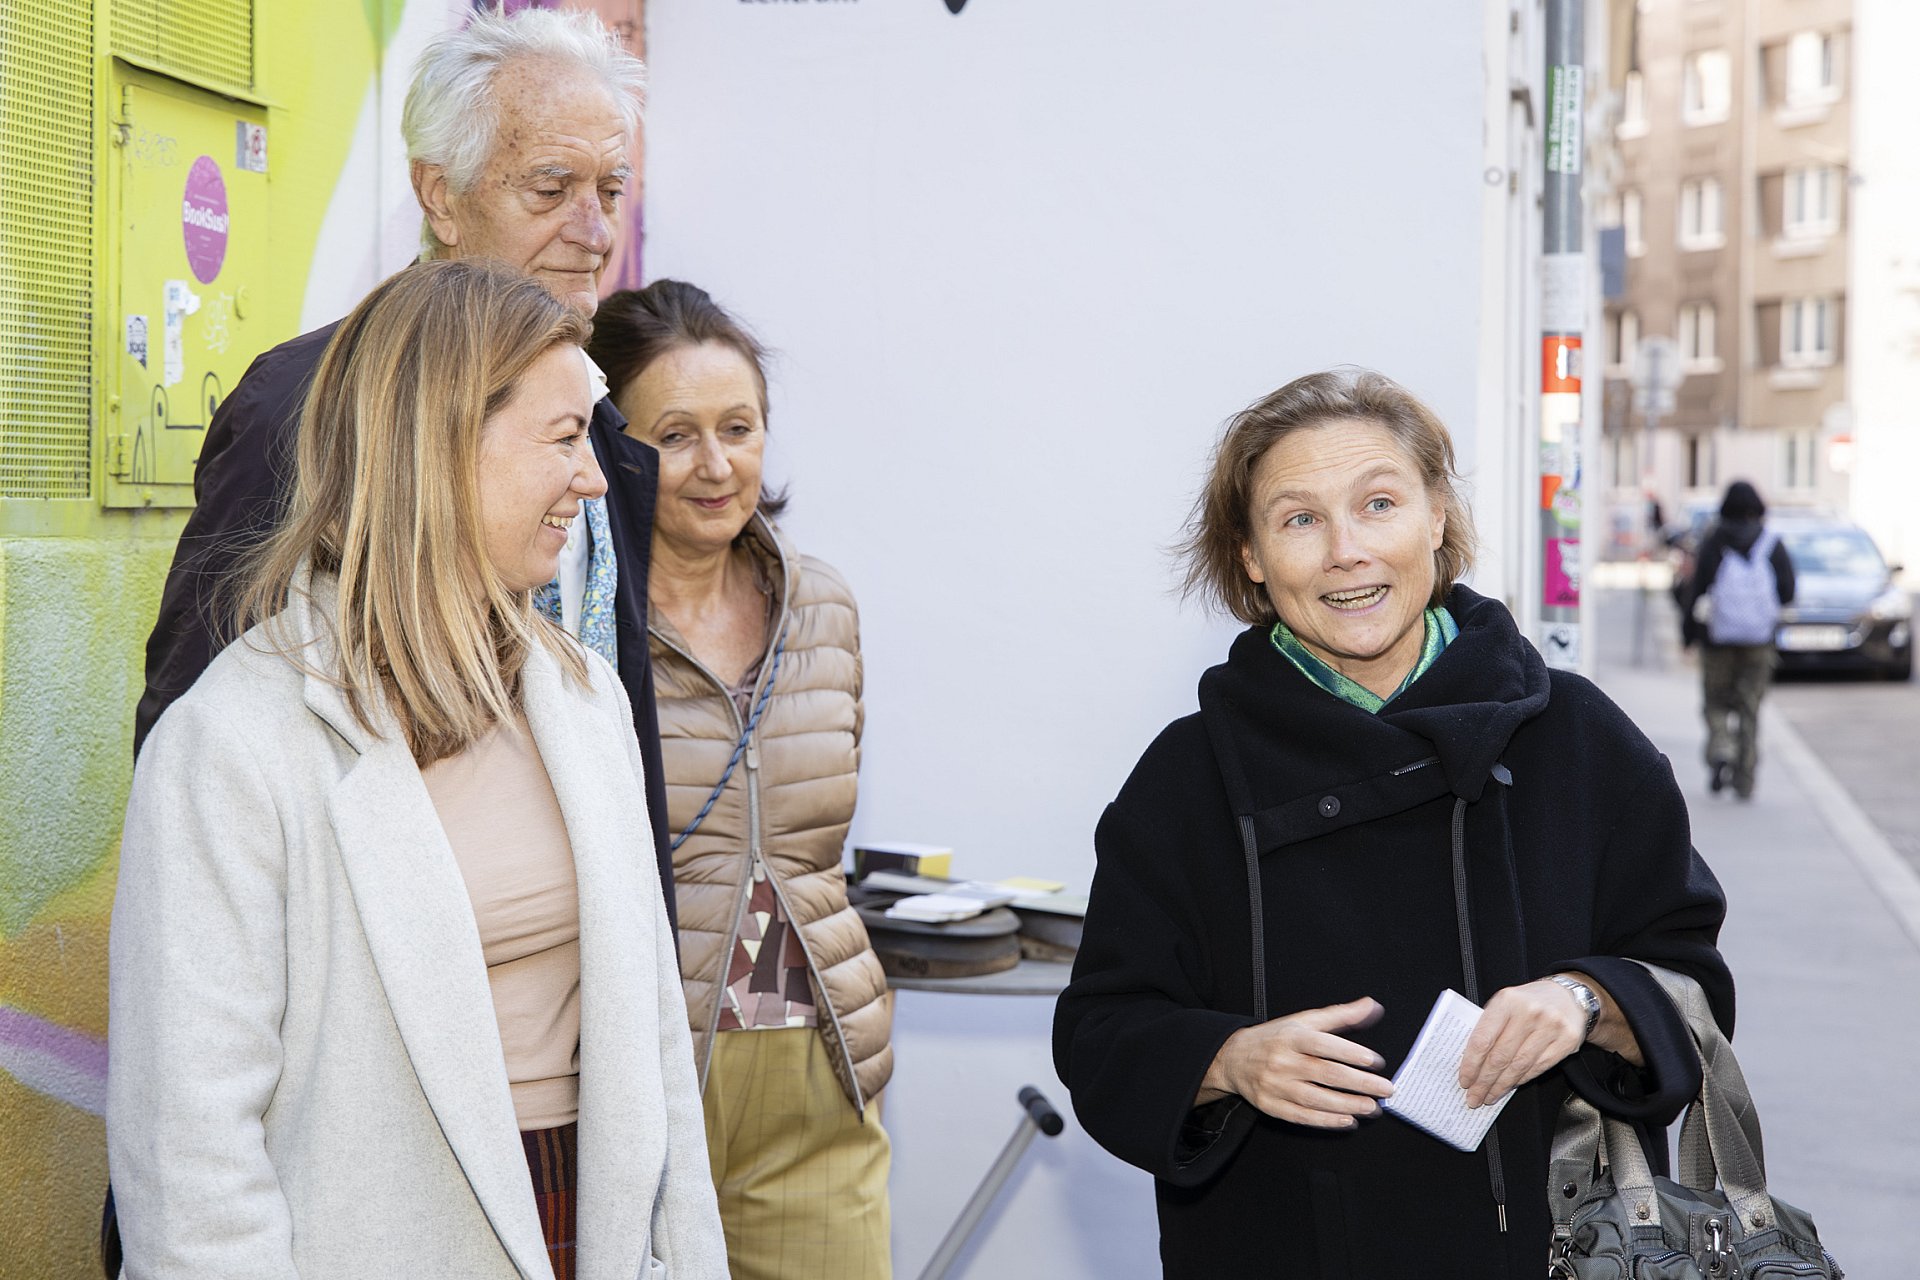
{"x": 1741, "y": 577}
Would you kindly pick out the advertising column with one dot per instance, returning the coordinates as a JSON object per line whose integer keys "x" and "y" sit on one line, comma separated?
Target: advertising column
{"x": 1563, "y": 310}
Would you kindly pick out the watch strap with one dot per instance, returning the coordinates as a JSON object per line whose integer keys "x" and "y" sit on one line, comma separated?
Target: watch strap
{"x": 1585, "y": 995}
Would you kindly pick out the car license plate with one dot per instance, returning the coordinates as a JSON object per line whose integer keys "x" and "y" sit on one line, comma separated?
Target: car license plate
{"x": 1813, "y": 639}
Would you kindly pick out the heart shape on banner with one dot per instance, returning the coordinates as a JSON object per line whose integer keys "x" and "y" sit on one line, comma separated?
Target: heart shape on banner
{"x": 955, "y": 6}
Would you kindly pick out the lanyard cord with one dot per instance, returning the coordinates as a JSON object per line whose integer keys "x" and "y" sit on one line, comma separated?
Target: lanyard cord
{"x": 739, "y": 748}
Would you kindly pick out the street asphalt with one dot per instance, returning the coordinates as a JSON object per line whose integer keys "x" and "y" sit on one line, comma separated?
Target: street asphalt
{"x": 1823, "y": 927}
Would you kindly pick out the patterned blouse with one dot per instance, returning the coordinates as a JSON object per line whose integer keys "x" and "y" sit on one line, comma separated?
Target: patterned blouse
{"x": 767, "y": 983}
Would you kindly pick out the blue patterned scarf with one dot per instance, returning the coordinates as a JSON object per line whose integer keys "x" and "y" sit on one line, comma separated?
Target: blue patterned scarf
{"x": 596, "y": 610}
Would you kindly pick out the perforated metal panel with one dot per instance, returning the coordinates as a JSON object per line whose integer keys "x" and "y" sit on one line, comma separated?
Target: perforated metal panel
{"x": 46, "y": 248}
{"x": 209, "y": 42}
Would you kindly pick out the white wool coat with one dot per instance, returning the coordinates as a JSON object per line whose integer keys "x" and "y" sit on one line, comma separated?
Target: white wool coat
{"x": 305, "y": 1073}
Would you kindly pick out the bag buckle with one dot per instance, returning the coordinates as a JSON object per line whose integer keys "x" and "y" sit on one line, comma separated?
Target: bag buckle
{"x": 1717, "y": 1254}
{"x": 1559, "y": 1265}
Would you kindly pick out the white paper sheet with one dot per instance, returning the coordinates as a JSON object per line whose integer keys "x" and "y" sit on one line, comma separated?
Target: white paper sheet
{"x": 936, "y": 908}
{"x": 1426, "y": 1089}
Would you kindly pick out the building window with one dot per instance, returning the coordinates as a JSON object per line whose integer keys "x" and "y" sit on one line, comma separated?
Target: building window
{"x": 1797, "y": 456}
{"x": 1623, "y": 337}
{"x": 1810, "y": 71}
{"x": 1631, "y": 219}
{"x": 1806, "y": 332}
{"x": 1698, "y": 338}
{"x": 1700, "y": 226}
{"x": 1633, "y": 107}
{"x": 1708, "y": 91}
{"x": 1809, "y": 202}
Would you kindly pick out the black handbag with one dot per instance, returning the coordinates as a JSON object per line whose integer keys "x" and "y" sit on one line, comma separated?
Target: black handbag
{"x": 1614, "y": 1220}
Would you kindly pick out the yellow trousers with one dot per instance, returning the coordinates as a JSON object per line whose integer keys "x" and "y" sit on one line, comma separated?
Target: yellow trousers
{"x": 802, "y": 1179}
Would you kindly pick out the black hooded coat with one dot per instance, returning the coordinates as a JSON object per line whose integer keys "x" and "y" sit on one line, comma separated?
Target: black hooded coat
{"x": 1577, "y": 850}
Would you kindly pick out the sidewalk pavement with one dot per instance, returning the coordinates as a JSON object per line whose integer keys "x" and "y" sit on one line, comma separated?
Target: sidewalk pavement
{"x": 1823, "y": 935}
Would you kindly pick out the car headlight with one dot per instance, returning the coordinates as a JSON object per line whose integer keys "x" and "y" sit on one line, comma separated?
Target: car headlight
{"x": 1891, "y": 603}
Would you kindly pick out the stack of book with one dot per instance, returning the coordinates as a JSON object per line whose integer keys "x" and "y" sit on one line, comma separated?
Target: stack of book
{"x": 935, "y": 901}
{"x": 904, "y": 887}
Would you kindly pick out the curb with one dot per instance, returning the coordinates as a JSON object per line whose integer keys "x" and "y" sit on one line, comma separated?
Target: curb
{"x": 1897, "y": 883}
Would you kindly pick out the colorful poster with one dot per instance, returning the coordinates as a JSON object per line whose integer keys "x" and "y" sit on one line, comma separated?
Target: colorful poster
{"x": 203, "y": 219}
{"x": 1562, "y": 587}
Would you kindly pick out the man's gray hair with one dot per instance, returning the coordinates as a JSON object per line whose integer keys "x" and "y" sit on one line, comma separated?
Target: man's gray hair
{"x": 451, "y": 119}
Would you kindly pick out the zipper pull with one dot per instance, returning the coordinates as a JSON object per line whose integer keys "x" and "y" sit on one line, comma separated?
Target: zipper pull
{"x": 753, "y": 756}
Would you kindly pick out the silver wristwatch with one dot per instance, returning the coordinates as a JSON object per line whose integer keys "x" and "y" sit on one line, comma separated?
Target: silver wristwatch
{"x": 1584, "y": 994}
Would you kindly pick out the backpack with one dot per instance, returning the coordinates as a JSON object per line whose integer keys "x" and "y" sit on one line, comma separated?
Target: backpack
{"x": 1745, "y": 595}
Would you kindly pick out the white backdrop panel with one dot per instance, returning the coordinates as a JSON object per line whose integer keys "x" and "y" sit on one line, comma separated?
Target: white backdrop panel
{"x": 1019, "y": 265}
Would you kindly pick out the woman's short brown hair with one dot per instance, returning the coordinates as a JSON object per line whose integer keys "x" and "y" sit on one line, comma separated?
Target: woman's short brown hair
{"x": 1221, "y": 525}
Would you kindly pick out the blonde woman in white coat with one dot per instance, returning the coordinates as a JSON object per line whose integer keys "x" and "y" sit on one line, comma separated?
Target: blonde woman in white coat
{"x": 392, "y": 987}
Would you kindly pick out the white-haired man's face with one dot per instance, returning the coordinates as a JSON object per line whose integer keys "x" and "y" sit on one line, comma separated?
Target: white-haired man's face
{"x": 549, "y": 198}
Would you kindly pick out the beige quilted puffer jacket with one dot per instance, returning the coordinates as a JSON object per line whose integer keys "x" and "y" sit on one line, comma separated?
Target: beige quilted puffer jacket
{"x": 789, "y": 802}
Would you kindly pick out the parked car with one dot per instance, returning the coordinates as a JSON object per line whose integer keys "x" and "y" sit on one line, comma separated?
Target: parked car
{"x": 1847, "y": 614}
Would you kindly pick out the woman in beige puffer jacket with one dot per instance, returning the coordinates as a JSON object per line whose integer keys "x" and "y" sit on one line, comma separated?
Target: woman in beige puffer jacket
{"x": 787, "y": 805}
{"x": 757, "y": 677}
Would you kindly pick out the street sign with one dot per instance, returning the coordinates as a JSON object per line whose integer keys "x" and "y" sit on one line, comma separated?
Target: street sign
{"x": 1656, "y": 375}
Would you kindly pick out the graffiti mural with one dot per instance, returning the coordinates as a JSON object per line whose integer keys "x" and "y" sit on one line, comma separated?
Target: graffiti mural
{"x": 86, "y": 579}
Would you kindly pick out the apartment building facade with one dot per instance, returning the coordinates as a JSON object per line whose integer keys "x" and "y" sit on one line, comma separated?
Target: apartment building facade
{"x": 1731, "y": 153}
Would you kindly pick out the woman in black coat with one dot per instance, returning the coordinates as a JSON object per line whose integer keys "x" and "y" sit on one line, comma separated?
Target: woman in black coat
{"x": 1384, "y": 794}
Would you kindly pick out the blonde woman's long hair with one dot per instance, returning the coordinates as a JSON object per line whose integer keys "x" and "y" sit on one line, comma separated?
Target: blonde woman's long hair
{"x": 386, "y": 500}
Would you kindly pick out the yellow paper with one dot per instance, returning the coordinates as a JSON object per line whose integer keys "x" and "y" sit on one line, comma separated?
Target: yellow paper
{"x": 1032, "y": 884}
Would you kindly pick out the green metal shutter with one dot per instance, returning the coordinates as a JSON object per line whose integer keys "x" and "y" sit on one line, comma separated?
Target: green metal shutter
{"x": 46, "y": 248}
{"x": 206, "y": 42}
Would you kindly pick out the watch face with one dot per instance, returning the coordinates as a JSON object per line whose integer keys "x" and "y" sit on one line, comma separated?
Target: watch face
{"x": 1585, "y": 995}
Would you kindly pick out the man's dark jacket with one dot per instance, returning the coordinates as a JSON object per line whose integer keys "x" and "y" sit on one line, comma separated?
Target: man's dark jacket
{"x": 1582, "y": 858}
{"x": 241, "y": 486}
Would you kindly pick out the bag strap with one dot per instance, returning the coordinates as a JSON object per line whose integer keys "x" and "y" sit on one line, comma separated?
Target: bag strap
{"x": 1720, "y": 1139}
{"x": 1728, "y": 1139}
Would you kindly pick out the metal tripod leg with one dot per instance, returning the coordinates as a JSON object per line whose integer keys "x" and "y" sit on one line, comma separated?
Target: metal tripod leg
{"x": 1038, "y": 1117}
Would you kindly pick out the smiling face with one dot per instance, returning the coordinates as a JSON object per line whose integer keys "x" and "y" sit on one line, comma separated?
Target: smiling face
{"x": 547, "y": 201}
{"x": 536, "y": 465}
{"x": 700, "y": 407}
{"x": 1343, "y": 540}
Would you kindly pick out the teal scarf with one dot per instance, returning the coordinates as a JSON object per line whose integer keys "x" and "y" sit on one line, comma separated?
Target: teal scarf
{"x": 1441, "y": 629}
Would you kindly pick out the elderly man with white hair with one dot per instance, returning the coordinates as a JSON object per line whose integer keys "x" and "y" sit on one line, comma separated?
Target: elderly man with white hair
{"x": 520, "y": 134}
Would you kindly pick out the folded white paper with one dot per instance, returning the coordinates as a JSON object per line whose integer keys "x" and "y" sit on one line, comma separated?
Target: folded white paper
{"x": 1426, "y": 1089}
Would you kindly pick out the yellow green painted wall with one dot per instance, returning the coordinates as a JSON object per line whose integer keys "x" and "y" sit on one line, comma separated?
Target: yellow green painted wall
{"x": 80, "y": 573}
{"x": 79, "y": 588}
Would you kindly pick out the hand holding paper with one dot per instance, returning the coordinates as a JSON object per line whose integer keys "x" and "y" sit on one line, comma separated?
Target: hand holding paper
{"x": 1526, "y": 1031}
{"x": 1426, "y": 1089}
{"x": 1467, "y": 1062}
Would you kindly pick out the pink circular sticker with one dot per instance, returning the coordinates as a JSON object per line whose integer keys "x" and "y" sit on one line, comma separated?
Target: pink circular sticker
{"x": 203, "y": 219}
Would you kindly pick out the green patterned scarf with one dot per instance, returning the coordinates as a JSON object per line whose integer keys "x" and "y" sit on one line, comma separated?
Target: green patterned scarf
{"x": 1441, "y": 629}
